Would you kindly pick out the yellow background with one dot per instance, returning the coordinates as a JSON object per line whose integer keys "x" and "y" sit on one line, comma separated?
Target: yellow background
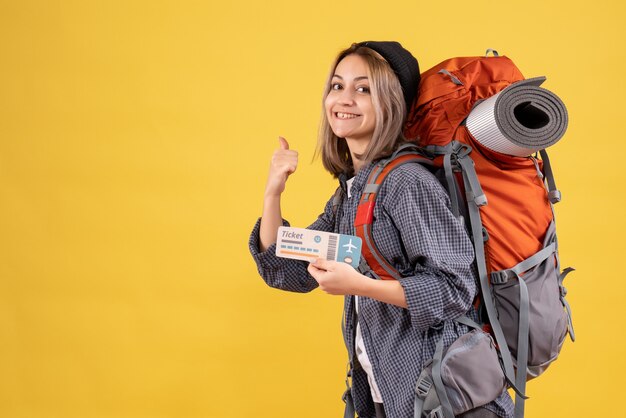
{"x": 135, "y": 138}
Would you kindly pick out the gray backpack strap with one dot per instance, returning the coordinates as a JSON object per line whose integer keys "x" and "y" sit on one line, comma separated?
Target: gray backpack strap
{"x": 477, "y": 198}
{"x": 522, "y": 346}
{"x": 404, "y": 148}
{"x": 554, "y": 195}
{"x": 446, "y": 407}
{"x": 468, "y": 322}
{"x": 493, "y": 51}
{"x": 461, "y": 152}
{"x": 454, "y": 79}
{"x": 431, "y": 398}
{"x": 570, "y": 324}
{"x": 472, "y": 183}
{"x": 349, "y": 411}
{"x": 477, "y": 236}
{"x": 502, "y": 276}
{"x": 426, "y": 398}
{"x": 451, "y": 153}
{"x": 454, "y": 201}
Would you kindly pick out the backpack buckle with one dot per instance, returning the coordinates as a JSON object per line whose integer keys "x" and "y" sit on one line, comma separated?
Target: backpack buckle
{"x": 423, "y": 386}
{"x": 364, "y": 268}
{"x": 436, "y": 413}
{"x": 501, "y": 276}
{"x": 464, "y": 151}
{"x": 460, "y": 149}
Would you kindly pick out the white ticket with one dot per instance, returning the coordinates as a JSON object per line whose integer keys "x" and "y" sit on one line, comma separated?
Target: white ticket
{"x": 309, "y": 244}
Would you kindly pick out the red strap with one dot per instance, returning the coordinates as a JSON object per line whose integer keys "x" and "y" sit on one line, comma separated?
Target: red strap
{"x": 364, "y": 213}
{"x": 365, "y": 218}
{"x": 383, "y": 270}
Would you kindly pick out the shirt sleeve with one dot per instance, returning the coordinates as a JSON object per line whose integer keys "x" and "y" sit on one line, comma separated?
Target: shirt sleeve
{"x": 441, "y": 282}
{"x": 284, "y": 273}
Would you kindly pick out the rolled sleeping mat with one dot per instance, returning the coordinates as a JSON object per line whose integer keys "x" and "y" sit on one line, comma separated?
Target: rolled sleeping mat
{"x": 520, "y": 120}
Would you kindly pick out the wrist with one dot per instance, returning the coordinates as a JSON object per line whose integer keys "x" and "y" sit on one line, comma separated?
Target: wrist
{"x": 271, "y": 196}
{"x": 388, "y": 291}
{"x": 365, "y": 286}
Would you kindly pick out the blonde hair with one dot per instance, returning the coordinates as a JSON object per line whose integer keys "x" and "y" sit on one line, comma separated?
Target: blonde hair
{"x": 389, "y": 107}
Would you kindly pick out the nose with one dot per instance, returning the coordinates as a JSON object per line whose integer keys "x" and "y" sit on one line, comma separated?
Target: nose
{"x": 346, "y": 97}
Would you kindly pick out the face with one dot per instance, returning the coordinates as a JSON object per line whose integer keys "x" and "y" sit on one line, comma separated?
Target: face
{"x": 349, "y": 107}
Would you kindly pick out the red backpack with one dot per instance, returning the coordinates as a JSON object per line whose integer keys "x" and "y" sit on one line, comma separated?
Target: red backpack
{"x": 504, "y": 200}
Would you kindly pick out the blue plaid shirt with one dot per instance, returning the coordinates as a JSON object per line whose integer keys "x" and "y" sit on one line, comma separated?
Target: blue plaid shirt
{"x": 417, "y": 233}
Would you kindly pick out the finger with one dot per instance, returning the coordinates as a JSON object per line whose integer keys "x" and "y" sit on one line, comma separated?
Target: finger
{"x": 281, "y": 157}
{"x": 288, "y": 167}
{"x": 313, "y": 271}
{"x": 286, "y": 163}
{"x": 283, "y": 143}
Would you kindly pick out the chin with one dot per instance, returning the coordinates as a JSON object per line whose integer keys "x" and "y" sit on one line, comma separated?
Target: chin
{"x": 341, "y": 133}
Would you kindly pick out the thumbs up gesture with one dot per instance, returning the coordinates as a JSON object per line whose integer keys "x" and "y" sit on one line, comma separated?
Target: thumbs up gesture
{"x": 284, "y": 162}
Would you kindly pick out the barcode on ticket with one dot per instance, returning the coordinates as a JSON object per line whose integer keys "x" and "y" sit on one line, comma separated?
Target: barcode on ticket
{"x": 332, "y": 247}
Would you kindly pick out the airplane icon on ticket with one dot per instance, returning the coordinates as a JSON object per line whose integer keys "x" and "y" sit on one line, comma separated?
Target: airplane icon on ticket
{"x": 350, "y": 247}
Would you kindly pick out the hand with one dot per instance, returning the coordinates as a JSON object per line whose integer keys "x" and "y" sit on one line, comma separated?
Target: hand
{"x": 337, "y": 278}
{"x": 284, "y": 162}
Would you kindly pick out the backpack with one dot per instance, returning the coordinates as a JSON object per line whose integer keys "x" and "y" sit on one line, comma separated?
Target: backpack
{"x": 504, "y": 194}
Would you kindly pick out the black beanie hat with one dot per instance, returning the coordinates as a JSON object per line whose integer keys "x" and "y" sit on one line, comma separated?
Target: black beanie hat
{"x": 402, "y": 63}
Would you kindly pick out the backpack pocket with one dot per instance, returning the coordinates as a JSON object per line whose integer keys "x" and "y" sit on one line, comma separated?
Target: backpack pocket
{"x": 470, "y": 373}
{"x": 531, "y": 308}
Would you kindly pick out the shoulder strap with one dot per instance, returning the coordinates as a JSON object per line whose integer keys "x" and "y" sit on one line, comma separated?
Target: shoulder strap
{"x": 365, "y": 211}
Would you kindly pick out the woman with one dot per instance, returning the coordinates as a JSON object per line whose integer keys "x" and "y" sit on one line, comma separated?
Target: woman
{"x": 370, "y": 87}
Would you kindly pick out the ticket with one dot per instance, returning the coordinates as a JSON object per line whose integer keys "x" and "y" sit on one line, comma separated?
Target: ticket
{"x": 309, "y": 244}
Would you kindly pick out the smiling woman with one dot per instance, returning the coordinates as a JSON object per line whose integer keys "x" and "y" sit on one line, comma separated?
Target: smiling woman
{"x": 391, "y": 326}
{"x": 349, "y": 107}
{"x": 362, "y": 82}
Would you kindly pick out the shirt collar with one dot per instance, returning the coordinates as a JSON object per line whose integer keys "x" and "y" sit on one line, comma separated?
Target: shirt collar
{"x": 359, "y": 180}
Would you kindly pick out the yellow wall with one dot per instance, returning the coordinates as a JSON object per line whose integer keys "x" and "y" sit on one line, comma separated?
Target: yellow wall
{"x": 135, "y": 138}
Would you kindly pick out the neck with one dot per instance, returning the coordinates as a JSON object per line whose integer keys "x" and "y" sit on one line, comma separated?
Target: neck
{"x": 357, "y": 147}
{"x": 357, "y": 164}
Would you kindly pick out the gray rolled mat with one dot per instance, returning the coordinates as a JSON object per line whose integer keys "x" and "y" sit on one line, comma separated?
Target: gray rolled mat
{"x": 519, "y": 120}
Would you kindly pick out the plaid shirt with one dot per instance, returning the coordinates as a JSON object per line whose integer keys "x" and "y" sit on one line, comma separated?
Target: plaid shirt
{"x": 417, "y": 233}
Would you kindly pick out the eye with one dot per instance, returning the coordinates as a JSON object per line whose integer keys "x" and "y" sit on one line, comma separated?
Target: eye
{"x": 363, "y": 89}
{"x": 336, "y": 86}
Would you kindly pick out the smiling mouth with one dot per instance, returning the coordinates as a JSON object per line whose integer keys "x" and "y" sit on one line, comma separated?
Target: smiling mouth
{"x": 342, "y": 115}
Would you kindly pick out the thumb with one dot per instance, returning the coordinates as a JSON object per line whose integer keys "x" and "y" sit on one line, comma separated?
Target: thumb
{"x": 283, "y": 143}
{"x": 321, "y": 264}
